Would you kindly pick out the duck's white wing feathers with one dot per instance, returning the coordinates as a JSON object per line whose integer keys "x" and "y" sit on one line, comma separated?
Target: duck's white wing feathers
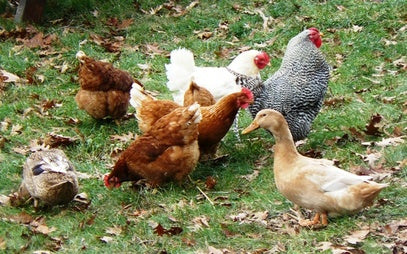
{"x": 331, "y": 178}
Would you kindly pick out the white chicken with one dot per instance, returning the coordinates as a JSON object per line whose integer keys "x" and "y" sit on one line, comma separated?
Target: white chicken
{"x": 220, "y": 81}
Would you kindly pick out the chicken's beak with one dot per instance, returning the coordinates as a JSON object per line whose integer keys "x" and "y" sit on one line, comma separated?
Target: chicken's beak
{"x": 253, "y": 126}
{"x": 321, "y": 34}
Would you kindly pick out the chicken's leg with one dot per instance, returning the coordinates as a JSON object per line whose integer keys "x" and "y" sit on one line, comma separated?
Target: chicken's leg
{"x": 236, "y": 127}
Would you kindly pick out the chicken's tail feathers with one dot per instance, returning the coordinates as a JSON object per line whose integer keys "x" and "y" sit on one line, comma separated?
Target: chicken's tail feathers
{"x": 138, "y": 94}
{"x": 196, "y": 110}
{"x": 180, "y": 69}
{"x": 182, "y": 56}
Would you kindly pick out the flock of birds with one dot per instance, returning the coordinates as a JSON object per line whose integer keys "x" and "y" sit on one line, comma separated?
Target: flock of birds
{"x": 178, "y": 134}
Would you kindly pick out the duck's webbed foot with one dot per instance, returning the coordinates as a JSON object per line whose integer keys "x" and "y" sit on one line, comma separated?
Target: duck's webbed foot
{"x": 320, "y": 220}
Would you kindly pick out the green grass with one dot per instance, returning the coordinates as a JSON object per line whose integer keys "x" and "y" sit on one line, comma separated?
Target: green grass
{"x": 364, "y": 74}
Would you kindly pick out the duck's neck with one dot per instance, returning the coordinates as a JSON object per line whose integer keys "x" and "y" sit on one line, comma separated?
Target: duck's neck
{"x": 284, "y": 150}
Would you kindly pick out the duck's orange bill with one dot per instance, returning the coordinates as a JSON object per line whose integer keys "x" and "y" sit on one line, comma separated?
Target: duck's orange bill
{"x": 253, "y": 126}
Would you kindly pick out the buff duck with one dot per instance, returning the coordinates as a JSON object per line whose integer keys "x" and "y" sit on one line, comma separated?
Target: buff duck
{"x": 315, "y": 184}
{"x": 49, "y": 177}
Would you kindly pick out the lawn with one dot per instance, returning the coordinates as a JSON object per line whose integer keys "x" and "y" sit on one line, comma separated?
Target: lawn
{"x": 362, "y": 125}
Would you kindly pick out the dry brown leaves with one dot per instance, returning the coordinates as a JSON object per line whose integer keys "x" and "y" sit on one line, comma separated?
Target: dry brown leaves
{"x": 160, "y": 230}
{"x": 35, "y": 225}
{"x": 392, "y": 235}
{"x": 30, "y": 37}
{"x": 173, "y": 9}
{"x": 110, "y": 43}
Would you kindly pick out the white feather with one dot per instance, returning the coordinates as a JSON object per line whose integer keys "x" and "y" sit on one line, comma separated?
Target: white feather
{"x": 218, "y": 80}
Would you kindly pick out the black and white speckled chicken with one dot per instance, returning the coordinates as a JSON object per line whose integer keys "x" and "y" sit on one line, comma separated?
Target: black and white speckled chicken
{"x": 298, "y": 88}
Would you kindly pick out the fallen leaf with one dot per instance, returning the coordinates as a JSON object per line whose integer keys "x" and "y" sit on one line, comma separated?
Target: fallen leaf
{"x": 189, "y": 242}
{"x": 116, "y": 230}
{"x": 401, "y": 63}
{"x": 213, "y": 250}
{"x": 43, "y": 229}
{"x": 210, "y": 182}
{"x": 154, "y": 49}
{"x": 106, "y": 239}
{"x": 341, "y": 8}
{"x": 5, "y": 201}
{"x": 389, "y": 42}
{"x": 125, "y": 24}
{"x": 36, "y": 41}
{"x": 356, "y": 28}
{"x": 55, "y": 140}
{"x": 49, "y": 104}
{"x": 38, "y": 226}
{"x": 16, "y": 129}
{"x": 20, "y": 150}
{"x": 250, "y": 217}
{"x": 160, "y": 230}
{"x": 22, "y": 217}
{"x": 390, "y": 142}
{"x": 371, "y": 158}
{"x": 335, "y": 101}
{"x": 371, "y": 127}
{"x": 7, "y": 77}
{"x": 3, "y": 244}
{"x": 313, "y": 153}
{"x": 5, "y": 124}
{"x": 252, "y": 176}
{"x": 204, "y": 35}
{"x": 42, "y": 252}
{"x": 357, "y": 236}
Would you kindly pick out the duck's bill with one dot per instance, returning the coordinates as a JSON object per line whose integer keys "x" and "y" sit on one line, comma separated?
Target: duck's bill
{"x": 253, "y": 126}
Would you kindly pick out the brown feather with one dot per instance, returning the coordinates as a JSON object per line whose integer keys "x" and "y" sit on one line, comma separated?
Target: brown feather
{"x": 198, "y": 94}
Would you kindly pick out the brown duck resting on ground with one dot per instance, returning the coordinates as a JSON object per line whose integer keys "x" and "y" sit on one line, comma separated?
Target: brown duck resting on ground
{"x": 49, "y": 178}
{"x": 311, "y": 183}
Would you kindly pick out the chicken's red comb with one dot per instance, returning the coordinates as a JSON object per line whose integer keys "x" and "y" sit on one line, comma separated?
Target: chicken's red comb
{"x": 248, "y": 93}
{"x": 106, "y": 181}
{"x": 266, "y": 56}
{"x": 315, "y": 36}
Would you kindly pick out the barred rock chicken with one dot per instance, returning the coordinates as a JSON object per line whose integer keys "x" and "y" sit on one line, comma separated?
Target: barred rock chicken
{"x": 220, "y": 81}
{"x": 313, "y": 183}
{"x": 168, "y": 151}
{"x": 104, "y": 91}
{"x": 216, "y": 119}
{"x": 48, "y": 177}
{"x": 298, "y": 88}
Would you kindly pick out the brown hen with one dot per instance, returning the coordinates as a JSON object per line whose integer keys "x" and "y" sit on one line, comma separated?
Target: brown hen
{"x": 168, "y": 151}
{"x": 105, "y": 90}
{"x": 216, "y": 119}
